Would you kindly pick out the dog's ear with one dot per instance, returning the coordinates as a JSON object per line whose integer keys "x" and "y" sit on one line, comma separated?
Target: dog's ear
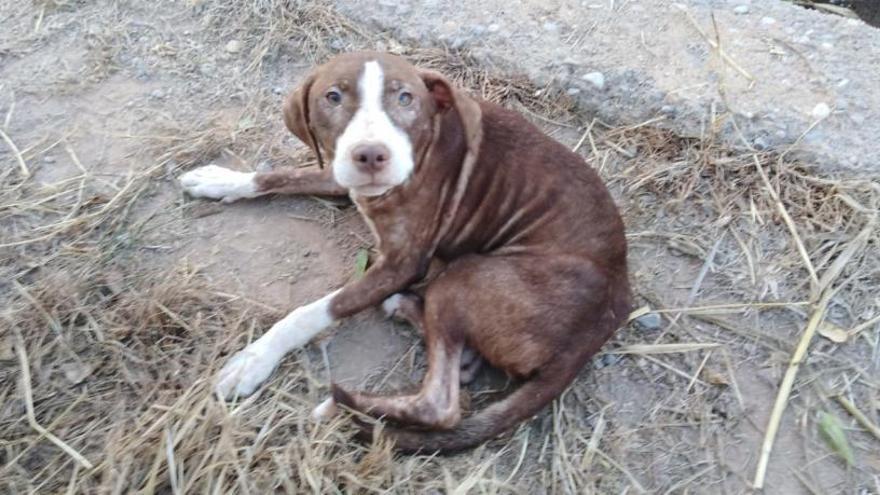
{"x": 296, "y": 117}
{"x": 447, "y": 96}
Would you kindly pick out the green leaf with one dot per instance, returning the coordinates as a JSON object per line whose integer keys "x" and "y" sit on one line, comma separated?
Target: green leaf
{"x": 360, "y": 262}
{"x": 833, "y": 433}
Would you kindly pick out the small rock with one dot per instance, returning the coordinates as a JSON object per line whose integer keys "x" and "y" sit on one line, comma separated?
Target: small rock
{"x": 821, "y": 111}
{"x": 75, "y": 372}
{"x": 572, "y": 91}
{"x": 760, "y": 143}
{"x": 649, "y": 321}
{"x": 157, "y": 94}
{"x": 610, "y": 359}
{"x": 337, "y": 45}
{"x": 668, "y": 110}
{"x": 277, "y": 90}
{"x": 768, "y": 21}
{"x": 494, "y": 28}
{"x": 595, "y": 78}
{"x": 741, "y": 9}
{"x": 49, "y": 159}
{"x": 234, "y": 46}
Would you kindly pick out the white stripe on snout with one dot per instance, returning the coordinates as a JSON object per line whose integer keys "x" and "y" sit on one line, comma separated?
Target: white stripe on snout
{"x": 370, "y": 89}
{"x": 372, "y": 125}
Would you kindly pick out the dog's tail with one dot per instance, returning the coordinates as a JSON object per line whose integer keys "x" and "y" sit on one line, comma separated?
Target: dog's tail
{"x": 526, "y": 401}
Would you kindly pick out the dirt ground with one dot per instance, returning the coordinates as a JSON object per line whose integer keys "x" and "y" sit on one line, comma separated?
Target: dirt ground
{"x": 122, "y": 298}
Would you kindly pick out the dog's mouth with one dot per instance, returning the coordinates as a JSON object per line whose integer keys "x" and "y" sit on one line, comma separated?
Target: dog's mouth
{"x": 372, "y": 188}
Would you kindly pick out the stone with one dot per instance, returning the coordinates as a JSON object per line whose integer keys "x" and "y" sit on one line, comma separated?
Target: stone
{"x": 597, "y": 79}
{"x": 234, "y": 46}
{"x": 649, "y": 321}
{"x": 821, "y": 111}
{"x": 741, "y": 9}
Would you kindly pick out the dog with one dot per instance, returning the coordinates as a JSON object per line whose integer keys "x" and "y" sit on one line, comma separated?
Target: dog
{"x": 533, "y": 248}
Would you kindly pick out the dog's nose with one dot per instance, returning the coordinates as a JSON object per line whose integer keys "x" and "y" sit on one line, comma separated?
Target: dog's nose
{"x": 371, "y": 158}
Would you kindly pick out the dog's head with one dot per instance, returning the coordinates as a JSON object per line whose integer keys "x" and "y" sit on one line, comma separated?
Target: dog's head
{"x": 371, "y": 115}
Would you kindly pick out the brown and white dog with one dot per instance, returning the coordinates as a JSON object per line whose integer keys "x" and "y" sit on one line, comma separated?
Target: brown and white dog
{"x": 535, "y": 276}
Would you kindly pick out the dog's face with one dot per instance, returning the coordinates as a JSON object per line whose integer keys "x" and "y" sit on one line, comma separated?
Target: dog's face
{"x": 370, "y": 115}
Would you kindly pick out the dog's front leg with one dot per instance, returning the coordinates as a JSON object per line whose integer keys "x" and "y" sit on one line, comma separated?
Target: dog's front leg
{"x": 227, "y": 185}
{"x": 250, "y": 367}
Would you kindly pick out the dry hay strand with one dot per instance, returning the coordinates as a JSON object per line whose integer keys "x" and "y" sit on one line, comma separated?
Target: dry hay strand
{"x": 517, "y": 91}
{"x": 314, "y": 27}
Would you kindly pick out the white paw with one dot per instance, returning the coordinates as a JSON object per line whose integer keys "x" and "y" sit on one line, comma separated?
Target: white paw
{"x": 220, "y": 183}
{"x": 244, "y": 372}
{"x": 391, "y": 305}
{"x": 324, "y": 411}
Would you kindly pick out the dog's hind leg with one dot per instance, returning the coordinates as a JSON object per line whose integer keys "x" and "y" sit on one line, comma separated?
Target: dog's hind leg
{"x": 408, "y": 307}
{"x": 436, "y": 405}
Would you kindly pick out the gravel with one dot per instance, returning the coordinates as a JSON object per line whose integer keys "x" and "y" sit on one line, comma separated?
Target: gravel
{"x": 648, "y": 322}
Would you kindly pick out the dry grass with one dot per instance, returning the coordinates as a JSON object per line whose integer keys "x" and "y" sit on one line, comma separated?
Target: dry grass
{"x": 121, "y": 349}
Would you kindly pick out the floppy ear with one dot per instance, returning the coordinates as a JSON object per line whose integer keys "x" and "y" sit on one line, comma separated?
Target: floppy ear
{"x": 296, "y": 117}
{"x": 446, "y": 96}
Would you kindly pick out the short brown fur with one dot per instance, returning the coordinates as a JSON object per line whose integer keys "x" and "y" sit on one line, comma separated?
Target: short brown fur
{"x": 535, "y": 275}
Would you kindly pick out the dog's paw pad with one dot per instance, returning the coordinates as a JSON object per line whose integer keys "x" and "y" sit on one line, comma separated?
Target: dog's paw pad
{"x": 243, "y": 373}
{"x": 214, "y": 182}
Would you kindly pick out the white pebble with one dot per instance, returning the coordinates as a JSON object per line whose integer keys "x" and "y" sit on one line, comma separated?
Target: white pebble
{"x": 768, "y": 21}
{"x": 741, "y": 9}
{"x": 234, "y": 46}
{"x": 821, "y": 111}
{"x": 595, "y": 78}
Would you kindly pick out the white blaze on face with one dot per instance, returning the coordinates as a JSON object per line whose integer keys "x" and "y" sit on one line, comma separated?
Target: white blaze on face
{"x": 371, "y": 125}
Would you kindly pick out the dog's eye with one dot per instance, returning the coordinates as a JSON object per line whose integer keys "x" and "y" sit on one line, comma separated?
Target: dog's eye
{"x": 334, "y": 97}
{"x": 405, "y": 98}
